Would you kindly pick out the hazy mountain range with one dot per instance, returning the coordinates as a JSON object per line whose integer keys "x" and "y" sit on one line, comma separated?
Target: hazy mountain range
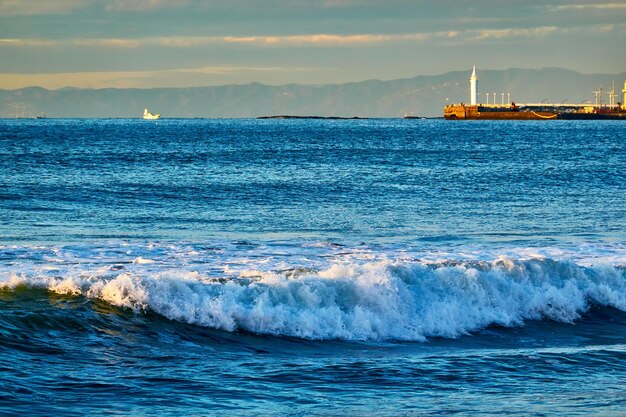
{"x": 418, "y": 96}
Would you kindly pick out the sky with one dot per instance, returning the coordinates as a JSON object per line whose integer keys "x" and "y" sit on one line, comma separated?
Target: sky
{"x": 186, "y": 43}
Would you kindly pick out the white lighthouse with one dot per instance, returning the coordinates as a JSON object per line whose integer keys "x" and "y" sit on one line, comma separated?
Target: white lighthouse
{"x": 624, "y": 100}
{"x": 473, "y": 87}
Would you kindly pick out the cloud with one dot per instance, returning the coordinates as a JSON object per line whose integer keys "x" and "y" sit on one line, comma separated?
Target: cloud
{"x": 484, "y": 34}
{"x": 320, "y": 40}
{"x": 178, "y": 77}
{"x": 144, "y": 5}
{"x": 39, "y": 7}
{"x": 600, "y": 6}
{"x": 197, "y": 41}
{"x": 50, "y": 7}
{"x": 240, "y": 39}
{"x": 91, "y": 43}
{"x": 363, "y": 39}
{"x": 38, "y": 43}
{"x": 336, "y": 3}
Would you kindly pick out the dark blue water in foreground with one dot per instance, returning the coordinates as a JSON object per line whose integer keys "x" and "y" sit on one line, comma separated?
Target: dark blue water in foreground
{"x": 280, "y": 267}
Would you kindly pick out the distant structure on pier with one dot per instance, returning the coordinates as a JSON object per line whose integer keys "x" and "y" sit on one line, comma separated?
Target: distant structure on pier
{"x": 473, "y": 87}
{"x": 542, "y": 111}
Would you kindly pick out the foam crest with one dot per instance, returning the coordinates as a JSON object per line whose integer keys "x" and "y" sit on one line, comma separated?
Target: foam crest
{"x": 380, "y": 300}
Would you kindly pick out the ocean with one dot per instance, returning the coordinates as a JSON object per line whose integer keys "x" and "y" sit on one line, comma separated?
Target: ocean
{"x": 383, "y": 267}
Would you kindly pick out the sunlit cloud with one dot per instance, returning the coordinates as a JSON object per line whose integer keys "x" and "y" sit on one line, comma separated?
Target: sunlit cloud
{"x": 182, "y": 41}
{"x": 600, "y": 6}
{"x": 340, "y": 40}
{"x": 240, "y": 39}
{"x": 320, "y": 40}
{"x": 107, "y": 43}
{"x": 289, "y": 40}
{"x": 327, "y": 39}
{"x": 232, "y": 69}
{"x": 484, "y": 34}
{"x": 179, "y": 77}
{"x": 37, "y": 43}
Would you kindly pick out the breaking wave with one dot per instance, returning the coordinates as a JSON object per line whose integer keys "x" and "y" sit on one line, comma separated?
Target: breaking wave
{"x": 357, "y": 300}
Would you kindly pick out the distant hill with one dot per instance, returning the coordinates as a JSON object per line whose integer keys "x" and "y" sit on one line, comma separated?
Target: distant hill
{"x": 418, "y": 96}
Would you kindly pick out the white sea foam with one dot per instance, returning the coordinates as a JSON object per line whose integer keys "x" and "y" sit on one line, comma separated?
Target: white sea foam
{"x": 140, "y": 260}
{"x": 343, "y": 297}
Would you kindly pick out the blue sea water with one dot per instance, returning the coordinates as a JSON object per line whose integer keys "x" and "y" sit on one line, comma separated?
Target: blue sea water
{"x": 312, "y": 267}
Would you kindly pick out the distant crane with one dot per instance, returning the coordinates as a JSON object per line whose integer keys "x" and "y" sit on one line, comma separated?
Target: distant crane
{"x": 598, "y": 95}
{"x": 612, "y": 96}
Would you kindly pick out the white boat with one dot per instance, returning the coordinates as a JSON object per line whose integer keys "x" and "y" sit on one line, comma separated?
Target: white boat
{"x": 149, "y": 116}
